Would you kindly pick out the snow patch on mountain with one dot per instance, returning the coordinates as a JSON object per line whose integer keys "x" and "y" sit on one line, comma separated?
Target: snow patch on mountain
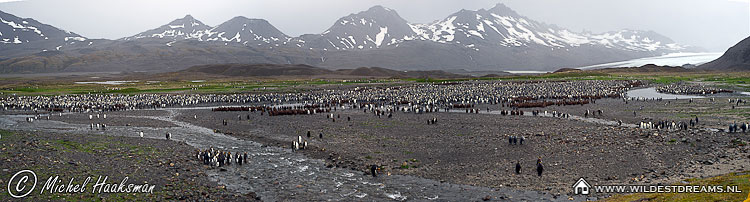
{"x": 75, "y": 38}
{"x": 380, "y": 36}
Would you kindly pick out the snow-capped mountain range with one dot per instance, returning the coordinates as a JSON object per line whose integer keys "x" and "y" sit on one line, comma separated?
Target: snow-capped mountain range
{"x": 380, "y": 27}
{"x": 485, "y": 39}
{"x": 504, "y": 27}
{"x": 238, "y": 29}
{"x": 501, "y": 26}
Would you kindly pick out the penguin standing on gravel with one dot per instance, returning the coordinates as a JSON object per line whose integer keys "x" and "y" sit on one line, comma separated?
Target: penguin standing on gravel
{"x": 374, "y": 170}
{"x": 169, "y": 136}
{"x": 206, "y": 157}
{"x": 141, "y": 133}
{"x": 220, "y": 159}
{"x": 518, "y": 167}
{"x": 238, "y": 158}
{"x": 229, "y": 158}
{"x": 539, "y": 167}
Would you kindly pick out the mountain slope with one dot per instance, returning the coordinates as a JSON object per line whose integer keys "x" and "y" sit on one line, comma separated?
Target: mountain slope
{"x": 259, "y": 70}
{"x": 236, "y": 30}
{"x": 500, "y": 26}
{"x": 19, "y": 36}
{"x": 247, "y": 31}
{"x": 494, "y": 39}
{"x": 504, "y": 27}
{"x": 377, "y": 27}
{"x": 736, "y": 58}
{"x": 179, "y": 29}
{"x": 151, "y": 56}
{"x": 15, "y": 30}
{"x": 271, "y": 70}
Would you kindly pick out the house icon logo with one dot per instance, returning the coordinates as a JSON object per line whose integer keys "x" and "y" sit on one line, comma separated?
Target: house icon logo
{"x": 581, "y": 187}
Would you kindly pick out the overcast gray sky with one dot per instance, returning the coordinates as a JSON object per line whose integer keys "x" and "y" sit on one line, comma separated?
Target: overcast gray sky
{"x": 712, "y": 24}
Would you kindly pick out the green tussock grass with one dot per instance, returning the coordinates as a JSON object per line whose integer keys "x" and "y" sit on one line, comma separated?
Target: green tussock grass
{"x": 30, "y": 87}
{"x": 90, "y": 146}
{"x": 143, "y": 87}
{"x": 742, "y": 180}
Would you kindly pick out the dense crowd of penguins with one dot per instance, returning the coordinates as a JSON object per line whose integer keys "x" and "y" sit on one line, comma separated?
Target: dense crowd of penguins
{"x": 218, "y": 158}
{"x": 432, "y": 95}
{"x": 674, "y": 125}
{"x": 690, "y": 89}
